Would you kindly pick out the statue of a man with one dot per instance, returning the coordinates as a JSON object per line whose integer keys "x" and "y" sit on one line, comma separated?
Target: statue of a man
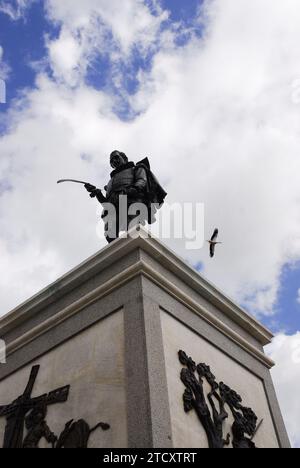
{"x": 38, "y": 428}
{"x": 130, "y": 184}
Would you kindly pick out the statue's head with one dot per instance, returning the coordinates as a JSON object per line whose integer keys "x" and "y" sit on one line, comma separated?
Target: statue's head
{"x": 118, "y": 159}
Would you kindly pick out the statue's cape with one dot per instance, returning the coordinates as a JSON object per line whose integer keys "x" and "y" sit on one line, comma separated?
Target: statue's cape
{"x": 156, "y": 194}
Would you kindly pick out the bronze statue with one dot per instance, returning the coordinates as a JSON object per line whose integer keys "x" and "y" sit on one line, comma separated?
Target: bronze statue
{"x": 77, "y": 434}
{"x": 16, "y": 412}
{"x": 211, "y": 408}
{"x": 32, "y": 412}
{"x": 133, "y": 192}
{"x": 38, "y": 428}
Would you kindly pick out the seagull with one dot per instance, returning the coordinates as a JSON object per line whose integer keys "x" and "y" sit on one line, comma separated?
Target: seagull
{"x": 213, "y": 242}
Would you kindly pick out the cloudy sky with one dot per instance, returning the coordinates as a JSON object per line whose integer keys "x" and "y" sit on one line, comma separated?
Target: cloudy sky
{"x": 209, "y": 90}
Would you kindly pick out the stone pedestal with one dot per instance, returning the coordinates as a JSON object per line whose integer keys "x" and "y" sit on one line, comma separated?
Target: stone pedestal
{"x": 111, "y": 329}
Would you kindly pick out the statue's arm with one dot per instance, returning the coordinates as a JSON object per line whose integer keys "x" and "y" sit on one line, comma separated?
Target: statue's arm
{"x": 95, "y": 193}
{"x": 100, "y": 197}
{"x": 49, "y": 435}
{"x": 140, "y": 179}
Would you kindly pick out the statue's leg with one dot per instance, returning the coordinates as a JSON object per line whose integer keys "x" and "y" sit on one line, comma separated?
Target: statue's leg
{"x": 112, "y": 229}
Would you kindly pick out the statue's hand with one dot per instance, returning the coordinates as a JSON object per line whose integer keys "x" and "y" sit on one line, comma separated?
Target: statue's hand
{"x": 132, "y": 192}
{"x": 91, "y": 189}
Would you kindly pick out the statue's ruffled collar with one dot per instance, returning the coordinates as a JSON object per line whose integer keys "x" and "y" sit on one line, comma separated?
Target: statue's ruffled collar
{"x": 128, "y": 165}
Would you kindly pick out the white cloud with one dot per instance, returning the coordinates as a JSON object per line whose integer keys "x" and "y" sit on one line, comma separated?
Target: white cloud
{"x": 217, "y": 120}
{"x": 228, "y": 124}
{"x": 130, "y": 22}
{"x": 4, "y": 68}
{"x": 285, "y": 351}
{"x": 298, "y": 298}
{"x": 66, "y": 58}
{"x": 15, "y": 9}
{"x": 99, "y": 27}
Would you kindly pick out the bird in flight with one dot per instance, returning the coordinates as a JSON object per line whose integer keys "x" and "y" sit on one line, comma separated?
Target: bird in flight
{"x": 213, "y": 242}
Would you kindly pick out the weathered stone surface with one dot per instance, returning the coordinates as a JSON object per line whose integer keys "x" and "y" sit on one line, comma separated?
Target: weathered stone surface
{"x": 186, "y": 428}
{"x": 112, "y": 328}
{"x": 93, "y": 364}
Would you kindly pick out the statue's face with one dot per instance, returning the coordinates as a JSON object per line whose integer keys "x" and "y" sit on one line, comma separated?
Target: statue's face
{"x": 116, "y": 160}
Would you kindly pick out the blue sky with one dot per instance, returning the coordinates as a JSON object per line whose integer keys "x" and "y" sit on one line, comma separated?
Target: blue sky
{"x": 23, "y": 42}
{"x": 287, "y": 306}
{"x": 24, "y": 45}
{"x": 207, "y": 97}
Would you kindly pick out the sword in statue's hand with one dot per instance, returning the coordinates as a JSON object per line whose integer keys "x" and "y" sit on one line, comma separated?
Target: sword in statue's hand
{"x": 92, "y": 189}
{"x": 72, "y": 180}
